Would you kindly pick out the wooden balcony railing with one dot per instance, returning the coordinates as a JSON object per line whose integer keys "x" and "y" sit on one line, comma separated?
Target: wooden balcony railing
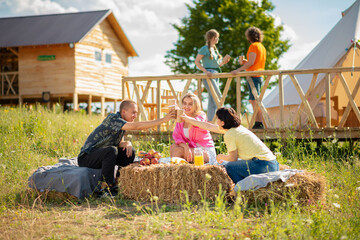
{"x": 9, "y": 83}
{"x": 322, "y": 88}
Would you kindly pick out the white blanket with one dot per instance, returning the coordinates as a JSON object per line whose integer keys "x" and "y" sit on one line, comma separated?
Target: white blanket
{"x": 257, "y": 181}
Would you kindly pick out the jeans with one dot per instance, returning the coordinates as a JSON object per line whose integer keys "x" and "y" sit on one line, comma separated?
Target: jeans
{"x": 211, "y": 109}
{"x": 240, "y": 169}
{"x": 106, "y": 158}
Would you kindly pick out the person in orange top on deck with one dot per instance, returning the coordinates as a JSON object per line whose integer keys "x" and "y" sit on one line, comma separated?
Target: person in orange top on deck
{"x": 256, "y": 62}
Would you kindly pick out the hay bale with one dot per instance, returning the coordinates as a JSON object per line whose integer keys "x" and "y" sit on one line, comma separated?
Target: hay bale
{"x": 307, "y": 187}
{"x": 169, "y": 181}
{"x": 50, "y": 195}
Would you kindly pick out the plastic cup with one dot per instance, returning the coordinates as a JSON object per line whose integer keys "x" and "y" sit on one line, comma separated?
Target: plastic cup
{"x": 172, "y": 106}
{"x": 198, "y": 157}
{"x": 241, "y": 60}
{"x": 179, "y": 112}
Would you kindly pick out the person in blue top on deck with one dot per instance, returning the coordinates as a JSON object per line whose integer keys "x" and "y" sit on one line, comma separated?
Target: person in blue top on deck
{"x": 209, "y": 61}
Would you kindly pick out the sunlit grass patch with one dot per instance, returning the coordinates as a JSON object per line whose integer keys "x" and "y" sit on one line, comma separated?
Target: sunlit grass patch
{"x": 34, "y": 138}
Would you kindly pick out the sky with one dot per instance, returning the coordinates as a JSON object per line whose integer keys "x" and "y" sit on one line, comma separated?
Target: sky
{"x": 147, "y": 24}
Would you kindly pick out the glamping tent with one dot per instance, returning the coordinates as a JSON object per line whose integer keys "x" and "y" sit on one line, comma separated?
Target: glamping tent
{"x": 339, "y": 48}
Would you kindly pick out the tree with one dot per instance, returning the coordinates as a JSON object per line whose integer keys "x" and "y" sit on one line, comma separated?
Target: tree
{"x": 230, "y": 18}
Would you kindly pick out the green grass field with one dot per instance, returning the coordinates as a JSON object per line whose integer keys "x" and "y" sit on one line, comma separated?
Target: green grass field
{"x": 30, "y": 139}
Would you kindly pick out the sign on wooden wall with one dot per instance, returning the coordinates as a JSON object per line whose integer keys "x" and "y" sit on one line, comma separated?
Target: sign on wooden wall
{"x": 46, "y": 57}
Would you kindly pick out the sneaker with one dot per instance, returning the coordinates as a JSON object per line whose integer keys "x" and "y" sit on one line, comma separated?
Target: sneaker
{"x": 109, "y": 192}
{"x": 106, "y": 194}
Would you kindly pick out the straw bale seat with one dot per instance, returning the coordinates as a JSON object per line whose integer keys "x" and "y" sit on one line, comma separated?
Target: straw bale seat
{"x": 307, "y": 187}
{"x": 169, "y": 181}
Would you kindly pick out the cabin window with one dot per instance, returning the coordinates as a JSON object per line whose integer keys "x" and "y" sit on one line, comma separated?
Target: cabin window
{"x": 98, "y": 56}
{"x": 108, "y": 57}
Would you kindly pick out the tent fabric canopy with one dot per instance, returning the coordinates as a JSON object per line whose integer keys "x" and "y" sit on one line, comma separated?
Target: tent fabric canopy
{"x": 325, "y": 55}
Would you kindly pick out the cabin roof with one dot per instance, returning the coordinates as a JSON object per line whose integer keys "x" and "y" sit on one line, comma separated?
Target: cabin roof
{"x": 57, "y": 29}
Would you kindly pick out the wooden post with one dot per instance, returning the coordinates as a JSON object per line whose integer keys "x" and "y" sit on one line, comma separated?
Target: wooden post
{"x": 122, "y": 89}
{"x": 158, "y": 101}
{"x": 152, "y": 95}
{"x": 128, "y": 90}
{"x": 2, "y": 84}
{"x": 199, "y": 88}
{"x": 328, "y": 102}
{"x": 76, "y": 102}
{"x": 103, "y": 105}
{"x": 281, "y": 100}
{"x": 89, "y": 104}
{"x": 20, "y": 100}
{"x": 62, "y": 103}
{"x": 238, "y": 96}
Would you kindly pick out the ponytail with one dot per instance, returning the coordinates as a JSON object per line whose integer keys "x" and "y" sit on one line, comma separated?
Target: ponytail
{"x": 217, "y": 52}
{"x": 211, "y": 56}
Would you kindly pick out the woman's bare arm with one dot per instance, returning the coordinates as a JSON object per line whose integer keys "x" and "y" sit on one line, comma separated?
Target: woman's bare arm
{"x": 204, "y": 125}
{"x": 231, "y": 157}
{"x": 248, "y": 63}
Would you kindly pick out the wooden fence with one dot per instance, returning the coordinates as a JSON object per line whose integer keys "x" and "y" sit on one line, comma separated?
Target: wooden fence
{"x": 318, "y": 87}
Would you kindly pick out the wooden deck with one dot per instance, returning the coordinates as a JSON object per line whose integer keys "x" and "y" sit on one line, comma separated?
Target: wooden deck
{"x": 335, "y": 88}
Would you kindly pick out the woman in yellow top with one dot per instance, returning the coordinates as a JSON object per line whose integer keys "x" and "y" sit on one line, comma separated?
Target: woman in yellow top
{"x": 247, "y": 154}
{"x": 256, "y": 62}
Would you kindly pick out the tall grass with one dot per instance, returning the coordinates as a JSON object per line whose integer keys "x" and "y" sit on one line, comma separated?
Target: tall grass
{"x": 30, "y": 139}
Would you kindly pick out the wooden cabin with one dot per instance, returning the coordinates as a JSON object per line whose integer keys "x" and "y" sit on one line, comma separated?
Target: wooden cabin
{"x": 60, "y": 58}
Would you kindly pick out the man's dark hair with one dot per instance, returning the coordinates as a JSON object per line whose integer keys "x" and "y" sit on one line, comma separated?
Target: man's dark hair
{"x": 229, "y": 117}
{"x": 126, "y": 104}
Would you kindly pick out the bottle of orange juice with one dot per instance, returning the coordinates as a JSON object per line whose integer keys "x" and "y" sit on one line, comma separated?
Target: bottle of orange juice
{"x": 198, "y": 157}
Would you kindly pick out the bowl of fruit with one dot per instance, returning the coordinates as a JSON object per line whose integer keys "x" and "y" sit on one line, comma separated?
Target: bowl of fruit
{"x": 148, "y": 158}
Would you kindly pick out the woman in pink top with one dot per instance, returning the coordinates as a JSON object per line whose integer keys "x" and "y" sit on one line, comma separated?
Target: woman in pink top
{"x": 187, "y": 137}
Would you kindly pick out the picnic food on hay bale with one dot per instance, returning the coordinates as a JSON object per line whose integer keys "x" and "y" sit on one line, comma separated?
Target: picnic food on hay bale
{"x": 177, "y": 160}
{"x": 142, "y": 154}
{"x": 308, "y": 187}
{"x": 151, "y": 157}
{"x": 169, "y": 181}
